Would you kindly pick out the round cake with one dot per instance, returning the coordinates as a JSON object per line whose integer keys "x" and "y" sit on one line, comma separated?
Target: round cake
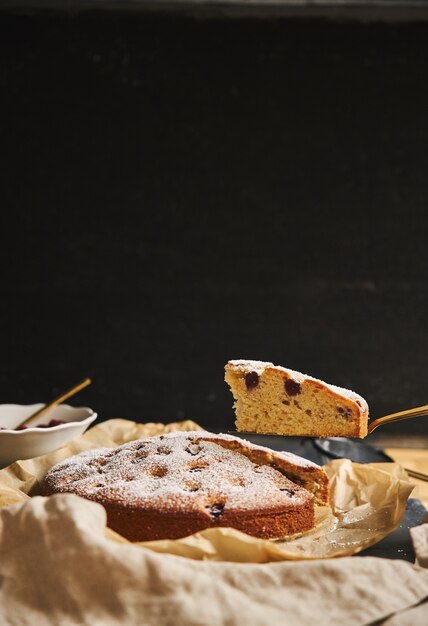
{"x": 173, "y": 485}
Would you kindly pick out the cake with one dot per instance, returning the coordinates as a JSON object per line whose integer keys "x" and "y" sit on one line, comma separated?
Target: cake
{"x": 170, "y": 486}
{"x": 272, "y": 399}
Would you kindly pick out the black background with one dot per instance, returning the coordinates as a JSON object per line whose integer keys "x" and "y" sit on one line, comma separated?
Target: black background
{"x": 178, "y": 191}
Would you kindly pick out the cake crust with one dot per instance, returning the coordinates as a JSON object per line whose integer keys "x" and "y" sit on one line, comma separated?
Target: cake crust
{"x": 273, "y": 399}
{"x": 173, "y": 485}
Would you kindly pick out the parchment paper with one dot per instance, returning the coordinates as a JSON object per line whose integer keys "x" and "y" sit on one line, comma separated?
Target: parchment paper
{"x": 367, "y": 503}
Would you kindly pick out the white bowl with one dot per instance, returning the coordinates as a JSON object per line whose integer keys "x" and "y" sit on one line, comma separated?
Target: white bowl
{"x": 25, "y": 444}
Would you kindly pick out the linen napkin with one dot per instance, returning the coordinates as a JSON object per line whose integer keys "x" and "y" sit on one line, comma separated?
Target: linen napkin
{"x": 58, "y": 567}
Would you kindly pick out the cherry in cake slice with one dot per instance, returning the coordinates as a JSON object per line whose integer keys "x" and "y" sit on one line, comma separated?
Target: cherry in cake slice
{"x": 272, "y": 399}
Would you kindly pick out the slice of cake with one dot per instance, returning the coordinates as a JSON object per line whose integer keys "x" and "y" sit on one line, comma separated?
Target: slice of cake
{"x": 274, "y": 400}
{"x": 173, "y": 485}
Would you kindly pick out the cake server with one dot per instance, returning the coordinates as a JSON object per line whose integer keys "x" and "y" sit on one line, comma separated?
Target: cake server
{"x": 418, "y": 411}
{"x": 346, "y": 447}
{"x": 343, "y": 448}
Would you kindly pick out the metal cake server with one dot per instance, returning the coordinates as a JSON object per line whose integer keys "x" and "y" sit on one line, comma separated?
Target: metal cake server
{"x": 356, "y": 451}
{"x": 418, "y": 411}
{"x": 348, "y": 448}
{"x": 342, "y": 447}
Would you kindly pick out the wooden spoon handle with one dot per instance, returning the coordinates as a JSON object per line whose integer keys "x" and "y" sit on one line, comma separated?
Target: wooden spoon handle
{"x": 59, "y": 400}
{"x": 415, "y": 474}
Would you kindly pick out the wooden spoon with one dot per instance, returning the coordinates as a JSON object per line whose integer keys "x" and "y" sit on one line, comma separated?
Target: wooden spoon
{"x": 59, "y": 400}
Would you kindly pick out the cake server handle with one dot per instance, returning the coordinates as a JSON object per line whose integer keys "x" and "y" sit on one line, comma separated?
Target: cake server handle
{"x": 418, "y": 411}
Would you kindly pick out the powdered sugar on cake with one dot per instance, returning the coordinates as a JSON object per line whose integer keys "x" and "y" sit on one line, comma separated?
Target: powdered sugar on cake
{"x": 180, "y": 472}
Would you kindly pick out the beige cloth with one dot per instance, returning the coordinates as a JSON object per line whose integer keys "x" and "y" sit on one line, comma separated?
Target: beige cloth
{"x": 58, "y": 567}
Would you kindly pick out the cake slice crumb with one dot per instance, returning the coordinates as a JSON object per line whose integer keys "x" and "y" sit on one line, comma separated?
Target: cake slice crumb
{"x": 272, "y": 399}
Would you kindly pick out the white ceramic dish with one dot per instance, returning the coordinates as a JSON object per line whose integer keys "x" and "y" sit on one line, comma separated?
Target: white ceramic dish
{"x": 25, "y": 444}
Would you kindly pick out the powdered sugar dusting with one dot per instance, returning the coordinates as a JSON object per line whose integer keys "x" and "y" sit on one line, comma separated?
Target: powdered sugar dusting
{"x": 178, "y": 472}
{"x": 276, "y": 455}
{"x": 255, "y": 366}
